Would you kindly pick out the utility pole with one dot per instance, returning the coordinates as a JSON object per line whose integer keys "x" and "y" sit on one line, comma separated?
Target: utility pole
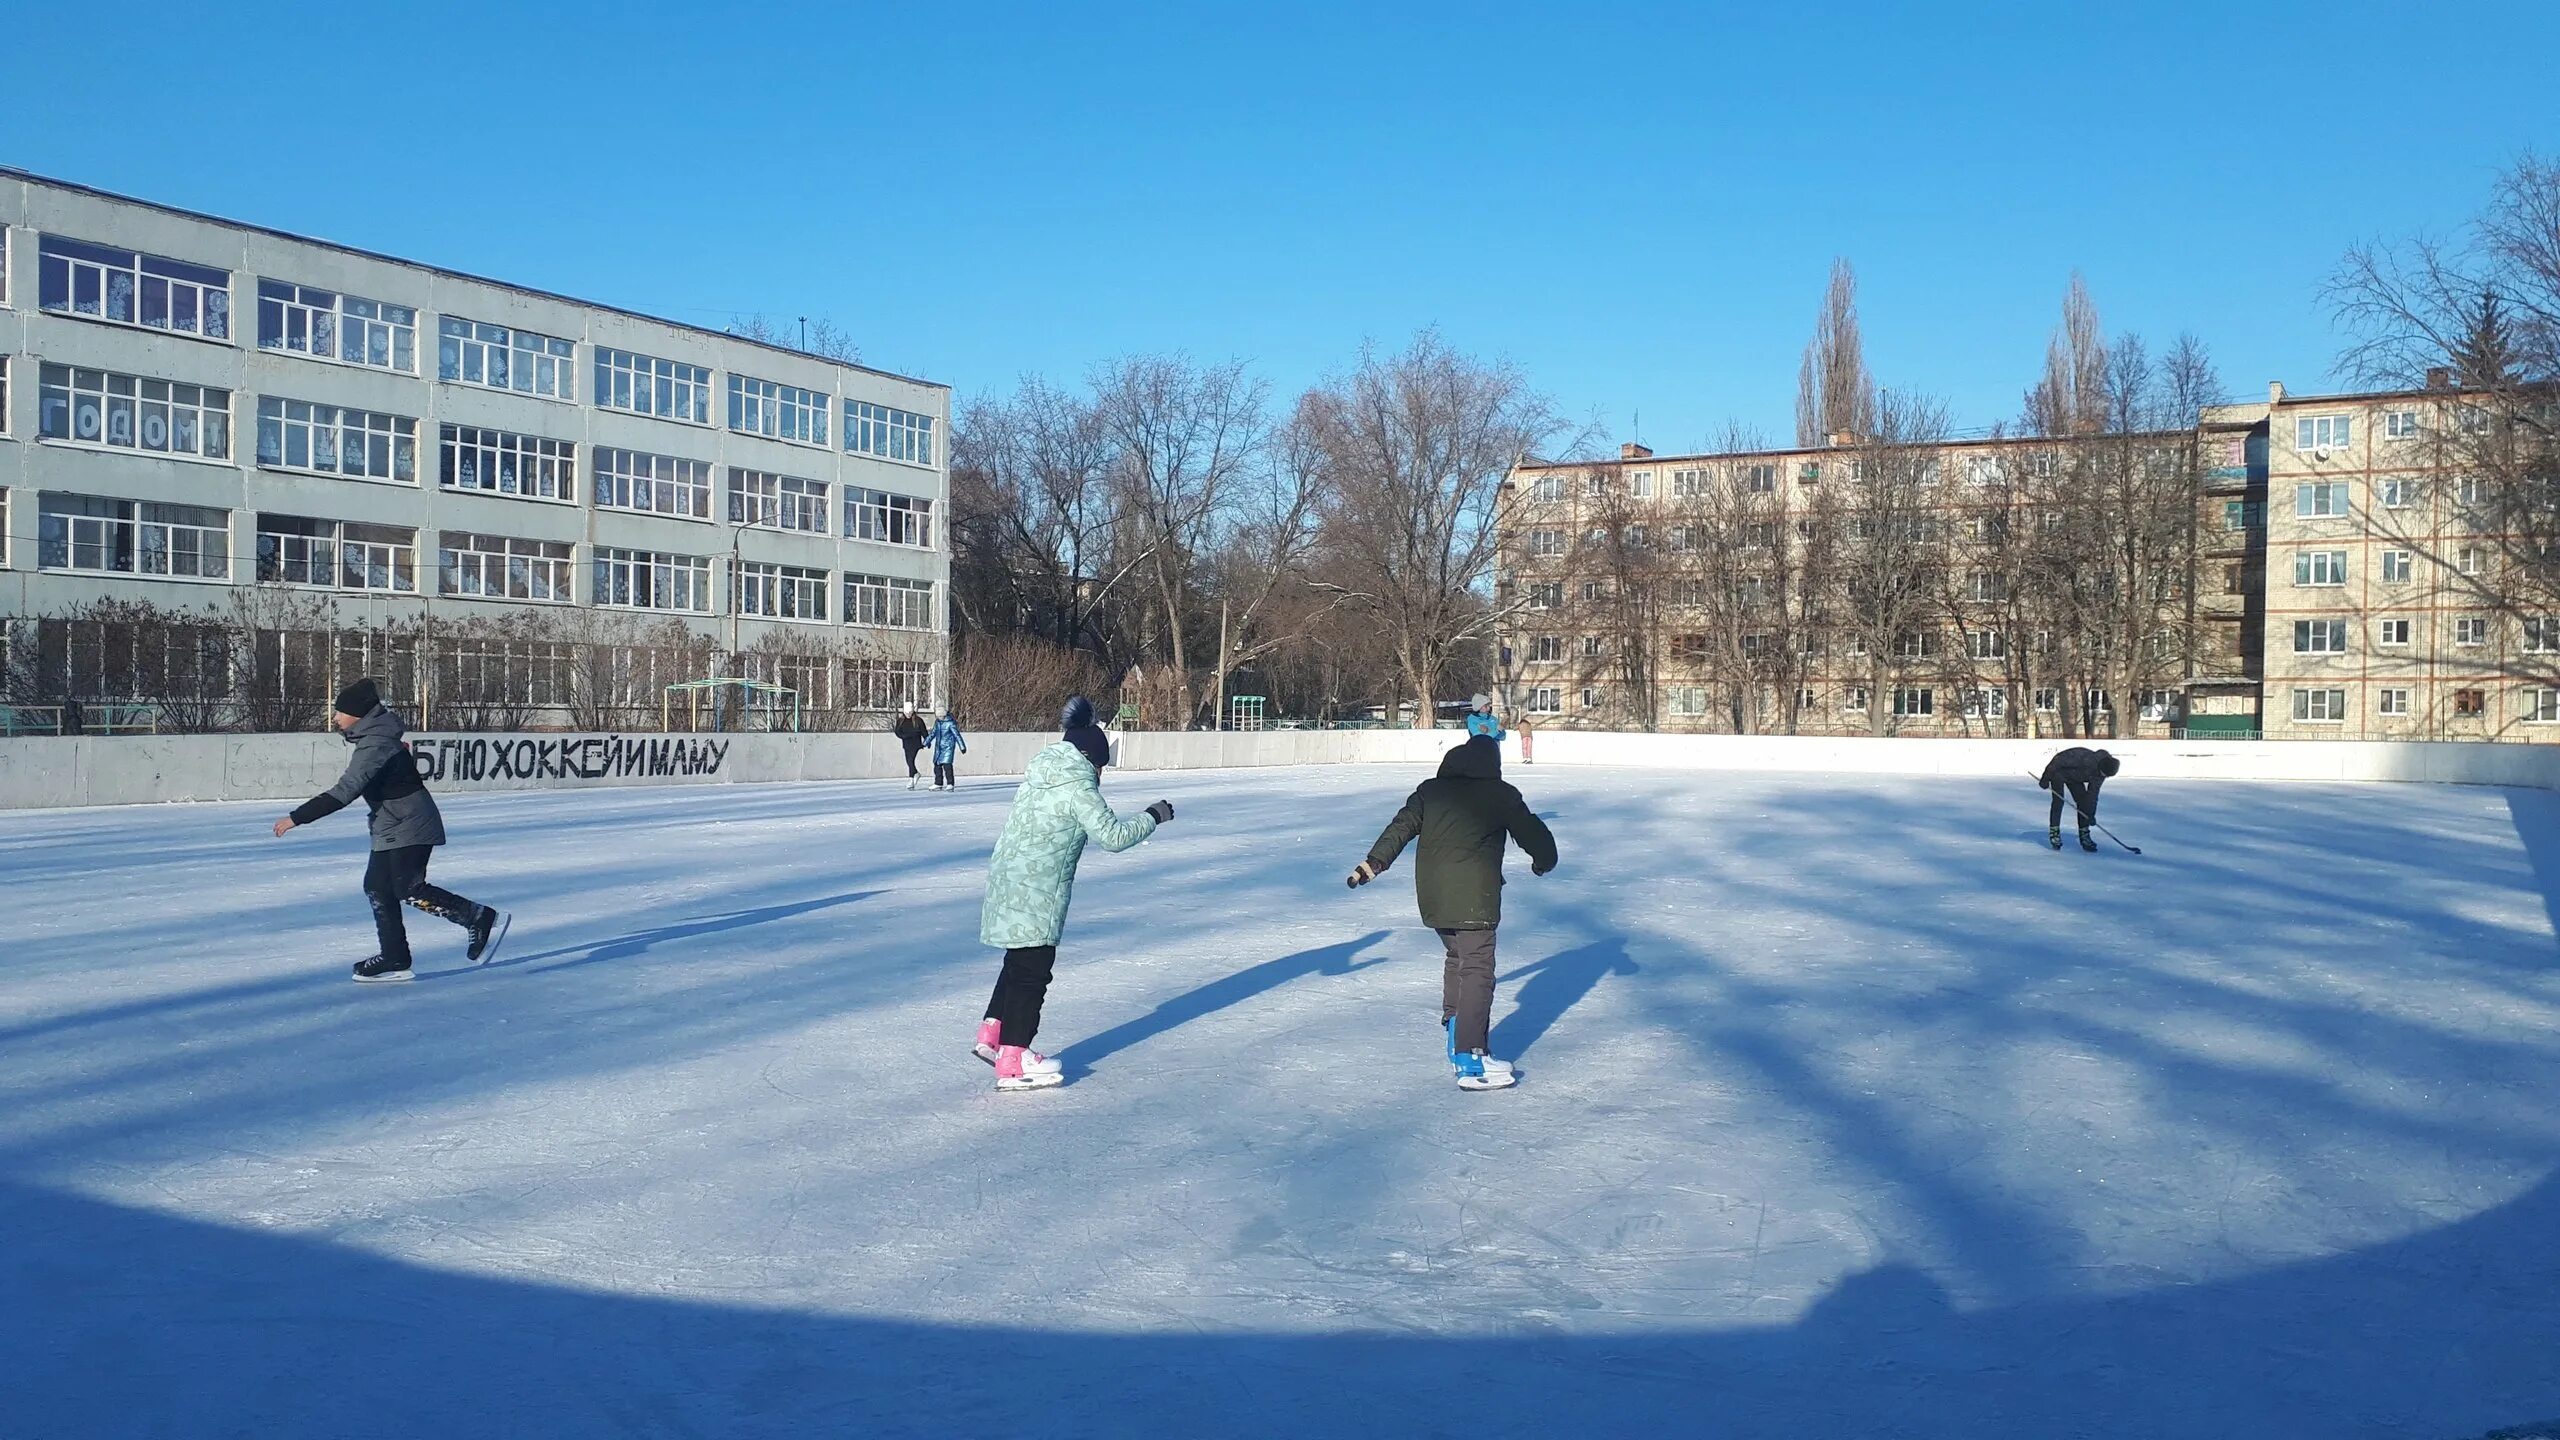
{"x": 804, "y": 332}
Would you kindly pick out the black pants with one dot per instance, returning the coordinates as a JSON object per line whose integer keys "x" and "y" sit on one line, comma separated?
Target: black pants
{"x": 2084, "y": 800}
{"x": 1466, "y": 984}
{"x": 396, "y": 877}
{"x": 943, "y": 774}
{"x": 1020, "y": 987}
{"x": 913, "y": 750}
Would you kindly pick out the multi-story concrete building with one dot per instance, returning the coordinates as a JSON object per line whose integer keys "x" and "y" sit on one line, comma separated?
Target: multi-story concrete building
{"x": 195, "y": 412}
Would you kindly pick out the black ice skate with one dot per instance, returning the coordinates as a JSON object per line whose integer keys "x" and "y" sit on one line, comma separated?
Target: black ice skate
{"x": 2053, "y": 836}
{"x": 2085, "y": 842}
{"x": 377, "y": 970}
{"x": 488, "y": 931}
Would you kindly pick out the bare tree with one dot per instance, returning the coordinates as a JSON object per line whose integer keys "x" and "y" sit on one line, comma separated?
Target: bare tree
{"x": 1835, "y": 394}
{"x": 1416, "y": 448}
{"x": 2071, "y": 397}
{"x": 1892, "y": 550}
{"x": 820, "y": 337}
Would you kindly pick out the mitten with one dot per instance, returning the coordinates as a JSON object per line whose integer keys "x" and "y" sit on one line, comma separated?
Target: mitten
{"x": 1162, "y": 810}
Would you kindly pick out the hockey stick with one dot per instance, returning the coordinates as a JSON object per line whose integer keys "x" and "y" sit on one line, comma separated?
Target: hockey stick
{"x": 2093, "y": 820}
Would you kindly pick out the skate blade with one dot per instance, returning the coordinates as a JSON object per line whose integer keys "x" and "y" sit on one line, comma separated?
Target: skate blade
{"x": 497, "y": 937}
{"x": 387, "y": 977}
{"x": 1030, "y": 1082}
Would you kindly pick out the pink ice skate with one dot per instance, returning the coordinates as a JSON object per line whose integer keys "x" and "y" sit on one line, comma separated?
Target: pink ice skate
{"x": 1020, "y": 1069}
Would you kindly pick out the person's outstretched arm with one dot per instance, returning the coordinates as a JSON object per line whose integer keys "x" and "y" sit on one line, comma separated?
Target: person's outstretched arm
{"x": 1117, "y": 832}
{"x": 1530, "y": 833}
{"x": 1391, "y": 842}
{"x": 372, "y": 753}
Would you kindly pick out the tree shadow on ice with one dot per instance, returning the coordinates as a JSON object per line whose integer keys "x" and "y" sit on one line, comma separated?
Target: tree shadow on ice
{"x": 127, "y": 1322}
{"x": 637, "y": 942}
{"x": 1552, "y": 987}
{"x": 1227, "y": 990}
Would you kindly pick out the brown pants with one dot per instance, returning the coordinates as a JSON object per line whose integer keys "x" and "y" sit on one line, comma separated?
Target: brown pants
{"x": 1466, "y": 984}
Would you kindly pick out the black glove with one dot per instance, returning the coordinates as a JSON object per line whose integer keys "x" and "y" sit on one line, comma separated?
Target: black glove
{"x": 1162, "y": 810}
{"x": 1360, "y": 875}
{"x": 1535, "y": 868}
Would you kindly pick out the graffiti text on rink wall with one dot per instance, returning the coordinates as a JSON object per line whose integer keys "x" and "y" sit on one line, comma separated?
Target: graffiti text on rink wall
{"x": 468, "y": 758}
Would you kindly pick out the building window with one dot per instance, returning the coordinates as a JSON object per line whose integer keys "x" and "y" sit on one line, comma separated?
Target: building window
{"x": 777, "y": 502}
{"x": 1592, "y": 648}
{"x": 1805, "y": 698}
{"x": 4, "y": 267}
{"x": 1916, "y": 645}
{"x": 1989, "y": 588}
{"x": 2320, "y": 706}
{"x": 891, "y": 434}
{"x": 2319, "y": 637}
{"x": 2048, "y": 700}
{"x": 1544, "y": 544}
{"x": 2467, "y": 560}
{"x": 2395, "y": 567}
{"x": 2233, "y": 580}
{"x": 1549, "y": 488}
{"x": 2320, "y": 502}
{"x": 2541, "y": 705}
{"x": 2541, "y": 635}
{"x": 77, "y": 278}
{"x": 299, "y": 550}
{"x": 1546, "y": 649}
{"x": 650, "y": 580}
{"x": 329, "y": 440}
{"x": 501, "y": 567}
{"x": 1590, "y": 697}
{"x": 2470, "y": 702}
{"x": 4, "y": 367}
{"x": 778, "y": 412}
{"x": 469, "y": 352}
{"x": 647, "y": 385}
{"x": 1810, "y": 473}
{"x": 887, "y": 684}
{"x": 780, "y": 592}
{"x": 2097, "y": 702}
{"x": 2392, "y": 700}
{"x": 2320, "y": 567}
{"x": 2470, "y": 631}
{"x": 1546, "y": 700}
{"x": 131, "y": 537}
{"x": 1914, "y": 700}
{"x": 2159, "y": 704}
{"x": 1640, "y": 485}
{"x": 888, "y": 601}
{"x": 2239, "y": 515}
{"x": 1986, "y": 703}
{"x": 1987, "y": 644}
{"x": 346, "y": 328}
{"x": 1687, "y": 699}
{"x": 1595, "y": 486}
{"x": 886, "y": 518}
{"x": 127, "y": 412}
{"x": 2400, "y": 425}
{"x": 1548, "y": 595}
{"x": 1594, "y": 591}
{"x": 2466, "y": 491}
{"x": 1762, "y": 479}
{"x": 1853, "y": 698}
{"x": 2392, "y": 633}
{"x": 652, "y": 484}
{"x": 504, "y": 463}
{"x": 2396, "y": 494}
{"x": 1688, "y": 484}
{"x": 2323, "y": 432}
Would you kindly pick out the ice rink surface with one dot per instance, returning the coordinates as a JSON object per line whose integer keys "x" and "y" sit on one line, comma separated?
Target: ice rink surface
{"x": 1849, "y": 1109}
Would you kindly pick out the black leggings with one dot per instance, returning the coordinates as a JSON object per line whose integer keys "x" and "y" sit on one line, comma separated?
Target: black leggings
{"x": 396, "y": 877}
{"x": 2084, "y": 800}
{"x": 943, "y": 774}
{"x": 1020, "y": 987}
{"x": 912, "y": 752}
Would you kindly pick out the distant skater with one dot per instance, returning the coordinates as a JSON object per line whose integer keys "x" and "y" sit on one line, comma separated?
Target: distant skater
{"x": 1030, "y": 880}
{"x": 2081, "y": 771}
{"x": 1463, "y": 816}
{"x": 406, "y": 829}
{"x": 948, "y": 745}
{"x": 1481, "y": 720}
{"x": 910, "y": 730}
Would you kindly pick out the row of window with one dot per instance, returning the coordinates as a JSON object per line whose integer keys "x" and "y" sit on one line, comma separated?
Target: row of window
{"x": 2329, "y": 637}
{"x": 2330, "y": 499}
{"x": 131, "y": 288}
{"x": 2325, "y": 569}
{"x": 1909, "y": 701}
{"x": 102, "y": 535}
{"x": 2327, "y": 704}
{"x": 1761, "y": 477}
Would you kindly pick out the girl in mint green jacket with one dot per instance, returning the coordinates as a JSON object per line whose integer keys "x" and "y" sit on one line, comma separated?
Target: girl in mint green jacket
{"x": 1029, "y": 882}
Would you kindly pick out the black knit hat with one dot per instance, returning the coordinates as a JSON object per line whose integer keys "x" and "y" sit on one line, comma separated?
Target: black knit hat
{"x": 360, "y": 699}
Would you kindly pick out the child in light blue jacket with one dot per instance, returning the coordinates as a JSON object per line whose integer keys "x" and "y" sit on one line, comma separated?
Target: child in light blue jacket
{"x": 947, "y": 745}
{"x": 1480, "y": 719}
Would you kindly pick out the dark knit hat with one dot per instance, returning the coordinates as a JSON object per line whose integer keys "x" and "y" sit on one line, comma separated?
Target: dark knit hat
{"x": 1078, "y": 729}
{"x": 360, "y": 699}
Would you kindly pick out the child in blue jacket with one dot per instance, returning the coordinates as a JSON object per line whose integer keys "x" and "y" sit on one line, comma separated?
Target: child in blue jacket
{"x": 947, "y": 743}
{"x": 1481, "y": 720}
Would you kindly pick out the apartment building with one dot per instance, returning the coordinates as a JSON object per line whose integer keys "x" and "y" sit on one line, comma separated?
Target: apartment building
{"x": 194, "y": 410}
{"x": 1712, "y": 566}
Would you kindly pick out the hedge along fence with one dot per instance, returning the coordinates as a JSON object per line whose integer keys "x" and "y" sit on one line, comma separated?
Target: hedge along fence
{"x": 124, "y": 770}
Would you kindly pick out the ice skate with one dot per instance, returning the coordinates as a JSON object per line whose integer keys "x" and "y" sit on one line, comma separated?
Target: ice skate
{"x": 1479, "y": 1071}
{"x": 488, "y": 932}
{"x": 1015, "y": 1070}
{"x": 991, "y": 1040}
{"x": 2053, "y": 836}
{"x": 911, "y": 782}
{"x": 376, "y": 971}
{"x": 2085, "y": 842}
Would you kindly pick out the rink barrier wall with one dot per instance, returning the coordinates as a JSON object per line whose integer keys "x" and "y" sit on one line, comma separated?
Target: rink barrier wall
{"x": 39, "y": 772}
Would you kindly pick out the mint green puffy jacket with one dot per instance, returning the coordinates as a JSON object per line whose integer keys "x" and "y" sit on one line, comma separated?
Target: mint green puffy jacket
{"x": 1033, "y": 874}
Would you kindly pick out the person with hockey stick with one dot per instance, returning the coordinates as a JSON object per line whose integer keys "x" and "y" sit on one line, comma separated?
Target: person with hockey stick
{"x": 1462, "y": 816}
{"x": 948, "y": 745}
{"x": 406, "y": 829}
{"x": 2081, "y": 771}
{"x": 1030, "y": 880}
{"x": 1481, "y": 720}
{"x": 910, "y": 732}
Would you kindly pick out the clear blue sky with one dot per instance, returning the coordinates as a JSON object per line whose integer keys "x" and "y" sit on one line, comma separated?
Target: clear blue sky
{"x": 1636, "y": 203}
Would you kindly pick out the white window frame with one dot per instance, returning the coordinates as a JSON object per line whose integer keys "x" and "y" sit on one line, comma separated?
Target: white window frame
{"x": 168, "y": 542}
{"x": 1546, "y": 700}
{"x": 2329, "y": 708}
{"x": 1640, "y": 485}
{"x": 2048, "y": 700}
{"x": 770, "y": 591}
{"x": 87, "y": 409}
{"x": 2541, "y": 705}
{"x": 2467, "y": 560}
{"x": 476, "y": 459}
{"x": 128, "y": 280}
{"x": 2470, "y": 632}
{"x": 2319, "y": 637}
{"x": 1547, "y": 489}
{"x": 1591, "y": 697}
{"x": 1546, "y": 649}
{"x": 506, "y": 359}
{"x": 2320, "y": 500}
{"x": 1545, "y": 543}
{"x": 2541, "y": 634}
{"x": 319, "y": 324}
{"x": 2323, "y": 432}
{"x": 2391, "y": 634}
{"x": 1686, "y": 700}
{"x": 648, "y": 483}
{"x": 2391, "y": 700}
{"x": 2397, "y": 567}
{"x": 384, "y": 447}
{"x": 1987, "y": 644}
{"x": 2400, "y": 425}
{"x": 651, "y": 385}
{"x": 879, "y": 686}
{"x": 471, "y": 565}
{"x": 765, "y": 500}
{"x": 888, "y": 602}
{"x": 2311, "y": 566}
{"x": 652, "y": 580}
{"x": 1854, "y": 699}
{"x": 1986, "y": 702}
{"x": 1915, "y": 701}
{"x": 356, "y": 554}
{"x": 2397, "y": 492}
{"x": 788, "y": 413}
{"x": 889, "y": 433}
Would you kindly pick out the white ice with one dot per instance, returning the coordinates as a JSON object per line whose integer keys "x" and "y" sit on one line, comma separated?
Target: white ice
{"x": 1849, "y": 1110}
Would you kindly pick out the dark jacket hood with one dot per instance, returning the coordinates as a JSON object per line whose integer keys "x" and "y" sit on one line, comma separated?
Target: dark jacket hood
{"x": 1478, "y": 759}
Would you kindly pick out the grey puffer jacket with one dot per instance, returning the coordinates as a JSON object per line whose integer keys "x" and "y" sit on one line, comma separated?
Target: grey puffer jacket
{"x": 401, "y": 811}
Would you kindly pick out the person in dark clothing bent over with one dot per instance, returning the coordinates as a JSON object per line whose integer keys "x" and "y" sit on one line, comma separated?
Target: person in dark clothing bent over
{"x": 2081, "y": 771}
{"x": 406, "y": 829}
{"x": 1462, "y": 816}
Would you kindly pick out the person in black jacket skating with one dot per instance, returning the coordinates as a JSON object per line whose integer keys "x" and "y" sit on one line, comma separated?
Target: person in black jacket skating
{"x": 1463, "y": 817}
{"x": 2081, "y": 771}
{"x": 910, "y": 732}
{"x": 406, "y": 829}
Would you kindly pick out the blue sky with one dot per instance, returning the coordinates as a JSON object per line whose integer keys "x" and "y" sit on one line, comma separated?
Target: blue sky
{"x": 1638, "y": 204}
